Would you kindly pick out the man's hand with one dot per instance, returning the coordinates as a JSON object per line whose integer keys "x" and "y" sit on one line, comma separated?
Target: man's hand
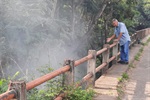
{"x": 108, "y": 40}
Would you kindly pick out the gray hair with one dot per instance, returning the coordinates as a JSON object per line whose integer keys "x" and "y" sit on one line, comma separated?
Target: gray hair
{"x": 114, "y": 20}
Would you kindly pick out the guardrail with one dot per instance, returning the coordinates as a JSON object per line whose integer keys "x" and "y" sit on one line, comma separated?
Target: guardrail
{"x": 17, "y": 90}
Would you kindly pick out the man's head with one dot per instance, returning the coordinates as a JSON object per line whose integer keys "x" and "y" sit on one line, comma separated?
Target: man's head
{"x": 115, "y": 22}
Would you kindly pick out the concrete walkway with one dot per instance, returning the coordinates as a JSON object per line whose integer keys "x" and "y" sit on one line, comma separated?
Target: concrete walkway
{"x": 138, "y": 87}
{"x": 106, "y": 85}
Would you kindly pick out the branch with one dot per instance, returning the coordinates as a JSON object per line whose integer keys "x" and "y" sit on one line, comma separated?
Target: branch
{"x": 93, "y": 24}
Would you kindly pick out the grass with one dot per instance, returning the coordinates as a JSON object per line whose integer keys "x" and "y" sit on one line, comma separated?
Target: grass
{"x": 123, "y": 77}
{"x": 141, "y": 49}
{"x": 131, "y": 65}
{"x": 137, "y": 56}
{"x": 120, "y": 88}
{"x": 79, "y": 94}
{"x": 120, "y": 91}
{"x": 146, "y": 43}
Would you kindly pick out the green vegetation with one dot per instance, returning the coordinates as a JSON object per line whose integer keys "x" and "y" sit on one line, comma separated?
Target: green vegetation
{"x": 120, "y": 87}
{"x": 141, "y": 49}
{"x": 131, "y": 65}
{"x": 55, "y": 86}
{"x": 51, "y": 88}
{"x": 137, "y": 56}
{"x": 3, "y": 85}
{"x": 4, "y": 82}
{"x": 147, "y": 41}
{"x": 124, "y": 77}
{"x": 79, "y": 94}
{"x": 120, "y": 91}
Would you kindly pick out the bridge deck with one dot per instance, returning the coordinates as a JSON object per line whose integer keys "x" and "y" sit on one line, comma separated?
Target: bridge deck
{"x": 106, "y": 86}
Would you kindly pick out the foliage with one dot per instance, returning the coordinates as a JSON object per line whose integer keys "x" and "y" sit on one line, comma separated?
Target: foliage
{"x": 55, "y": 86}
{"x": 4, "y": 82}
{"x": 144, "y": 17}
{"x": 124, "y": 77}
{"x": 120, "y": 91}
{"x": 79, "y": 94}
{"x": 3, "y": 85}
{"x": 137, "y": 56}
{"x": 131, "y": 65}
{"x": 50, "y": 88}
{"x": 147, "y": 41}
{"x": 51, "y": 91}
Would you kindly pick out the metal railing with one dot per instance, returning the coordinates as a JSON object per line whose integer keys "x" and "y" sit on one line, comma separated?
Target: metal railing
{"x": 18, "y": 89}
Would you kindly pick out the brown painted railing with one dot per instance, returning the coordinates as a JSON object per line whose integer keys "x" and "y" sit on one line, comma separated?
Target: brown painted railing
{"x": 18, "y": 89}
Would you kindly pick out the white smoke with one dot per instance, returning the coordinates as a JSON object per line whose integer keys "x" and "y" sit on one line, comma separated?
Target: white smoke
{"x": 33, "y": 35}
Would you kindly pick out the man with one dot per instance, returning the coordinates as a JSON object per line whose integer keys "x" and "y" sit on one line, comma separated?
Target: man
{"x": 121, "y": 33}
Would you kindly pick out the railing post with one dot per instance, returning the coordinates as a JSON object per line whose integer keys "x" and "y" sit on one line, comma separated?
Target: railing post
{"x": 115, "y": 51}
{"x": 69, "y": 76}
{"x": 134, "y": 37}
{"x": 20, "y": 87}
{"x": 91, "y": 67}
{"x": 147, "y": 32}
{"x": 105, "y": 56}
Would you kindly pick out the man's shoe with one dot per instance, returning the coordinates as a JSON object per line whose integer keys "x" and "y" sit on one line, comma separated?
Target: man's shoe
{"x": 120, "y": 61}
{"x": 125, "y": 62}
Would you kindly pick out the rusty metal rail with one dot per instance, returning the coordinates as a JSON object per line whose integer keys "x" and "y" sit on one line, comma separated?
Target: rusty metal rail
{"x": 8, "y": 95}
{"x": 30, "y": 85}
{"x": 88, "y": 76}
{"x": 62, "y": 70}
{"x": 46, "y": 77}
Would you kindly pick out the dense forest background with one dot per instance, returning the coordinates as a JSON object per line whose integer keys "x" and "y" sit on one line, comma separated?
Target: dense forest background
{"x": 37, "y": 33}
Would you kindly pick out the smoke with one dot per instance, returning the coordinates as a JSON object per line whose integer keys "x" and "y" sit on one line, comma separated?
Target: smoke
{"x": 34, "y": 33}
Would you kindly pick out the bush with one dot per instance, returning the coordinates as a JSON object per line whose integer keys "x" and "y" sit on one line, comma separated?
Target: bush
{"x": 79, "y": 94}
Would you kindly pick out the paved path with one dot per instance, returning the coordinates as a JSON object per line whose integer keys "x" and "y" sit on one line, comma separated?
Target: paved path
{"x": 138, "y": 87}
{"x": 106, "y": 85}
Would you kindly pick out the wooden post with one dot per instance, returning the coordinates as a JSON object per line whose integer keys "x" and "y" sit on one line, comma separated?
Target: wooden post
{"x": 20, "y": 87}
{"x": 146, "y": 32}
{"x": 69, "y": 76}
{"x": 91, "y": 67}
{"x": 105, "y": 57}
{"x": 115, "y": 51}
{"x": 134, "y": 38}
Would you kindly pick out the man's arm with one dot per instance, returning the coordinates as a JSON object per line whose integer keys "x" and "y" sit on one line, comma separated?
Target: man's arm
{"x": 120, "y": 35}
{"x": 109, "y": 39}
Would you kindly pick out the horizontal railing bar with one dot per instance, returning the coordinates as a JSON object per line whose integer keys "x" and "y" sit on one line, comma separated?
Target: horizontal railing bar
{"x": 132, "y": 42}
{"x": 100, "y": 67}
{"x": 82, "y": 60}
{"x": 53, "y": 74}
{"x": 84, "y": 79}
{"x": 112, "y": 45}
{"x": 46, "y": 77}
{"x": 86, "y": 58}
{"x": 101, "y": 51}
{"x": 8, "y": 95}
{"x": 89, "y": 75}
